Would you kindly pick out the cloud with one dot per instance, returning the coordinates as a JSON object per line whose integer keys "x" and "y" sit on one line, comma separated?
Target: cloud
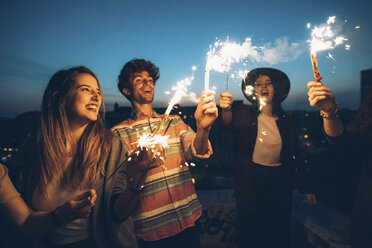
{"x": 281, "y": 51}
{"x": 31, "y": 70}
{"x": 221, "y": 57}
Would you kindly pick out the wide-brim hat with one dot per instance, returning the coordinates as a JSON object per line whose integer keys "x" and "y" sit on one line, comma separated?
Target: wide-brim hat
{"x": 278, "y": 78}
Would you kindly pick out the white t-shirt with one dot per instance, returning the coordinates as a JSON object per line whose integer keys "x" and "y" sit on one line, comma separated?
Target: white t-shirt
{"x": 268, "y": 143}
{"x": 56, "y": 196}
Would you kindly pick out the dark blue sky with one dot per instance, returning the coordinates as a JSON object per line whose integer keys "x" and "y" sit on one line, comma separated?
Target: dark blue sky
{"x": 40, "y": 37}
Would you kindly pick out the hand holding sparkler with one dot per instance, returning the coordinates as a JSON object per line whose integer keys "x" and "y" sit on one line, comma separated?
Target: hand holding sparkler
{"x": 322, "y": 98}
{"x": 226, "y": 100}
{"x": 78, "y": 207}
{"x": 206, "y": 112}
{"x": 151, "y": 155}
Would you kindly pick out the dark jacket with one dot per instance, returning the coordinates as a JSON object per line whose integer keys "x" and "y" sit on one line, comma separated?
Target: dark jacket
{"x": 244, "y": 128}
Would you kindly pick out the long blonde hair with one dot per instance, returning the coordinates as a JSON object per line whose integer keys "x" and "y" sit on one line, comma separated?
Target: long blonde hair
{"x": 89, "y": 152}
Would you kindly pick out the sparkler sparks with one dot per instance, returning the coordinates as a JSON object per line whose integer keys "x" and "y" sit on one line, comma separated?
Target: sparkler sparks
{"x": 324, "y": 38}
{"x": 262, "y": 102}
{"x": 222, "y": 55}
{"x": 180, "y": 90}
{"x": 150, "y": 141}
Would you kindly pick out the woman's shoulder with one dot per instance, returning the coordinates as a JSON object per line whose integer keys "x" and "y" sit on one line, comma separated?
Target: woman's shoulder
{"x": 118, "y": 146}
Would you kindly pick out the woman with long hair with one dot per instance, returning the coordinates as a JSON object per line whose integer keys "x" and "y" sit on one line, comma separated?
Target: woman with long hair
{"x": 74, "y": 152}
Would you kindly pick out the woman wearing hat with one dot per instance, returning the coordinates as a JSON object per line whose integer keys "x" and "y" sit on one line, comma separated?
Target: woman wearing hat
{"x": 265, "y": 159}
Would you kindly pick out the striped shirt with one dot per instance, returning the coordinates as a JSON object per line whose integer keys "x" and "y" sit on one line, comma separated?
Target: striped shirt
{"x": 168, "y": 203}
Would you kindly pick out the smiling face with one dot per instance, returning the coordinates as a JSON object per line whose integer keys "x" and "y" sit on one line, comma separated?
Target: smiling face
{"x": 84, "y": 100}
{"x": 264, "y": 89}
{"x": 143, "y": 88}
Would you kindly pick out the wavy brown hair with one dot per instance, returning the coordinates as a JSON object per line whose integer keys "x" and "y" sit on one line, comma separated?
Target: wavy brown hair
{"x": 133, "y": 66}
{"x": 55, "y": 140}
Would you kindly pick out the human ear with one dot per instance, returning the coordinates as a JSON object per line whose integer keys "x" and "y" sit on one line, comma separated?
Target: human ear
{"x": 127, "y": 91}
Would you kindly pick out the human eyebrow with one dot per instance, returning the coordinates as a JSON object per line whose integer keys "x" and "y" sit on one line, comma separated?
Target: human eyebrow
{"x": 137, "y": 77}
{"x": 84, "y": 85}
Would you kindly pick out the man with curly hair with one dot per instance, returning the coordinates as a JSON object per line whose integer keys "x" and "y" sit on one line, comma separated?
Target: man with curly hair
{"x": 168, "y": 205}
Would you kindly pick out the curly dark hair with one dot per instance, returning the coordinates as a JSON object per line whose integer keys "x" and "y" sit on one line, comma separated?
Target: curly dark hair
{"x": 136, "y": 66}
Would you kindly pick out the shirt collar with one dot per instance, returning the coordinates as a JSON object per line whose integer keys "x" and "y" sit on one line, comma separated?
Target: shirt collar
{"x": 136, "y": 114}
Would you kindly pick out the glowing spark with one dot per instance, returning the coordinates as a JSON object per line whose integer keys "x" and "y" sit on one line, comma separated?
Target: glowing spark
{"x": 357, "y": 27}
{"x": 167, "y": 92}
{"x": 262, "y": 103}
{"x": 149, "y": 140}
{"x": 223, "y": 54}
{"x": 192, "y": 164}
{"x": 308, "y": 25}
{"x": 321, "y": 37}
{"x": 331, "y": 56}
{"x": 339, "y": 40}
{"x": 331, "y": 19}
{"x": 242, "y": 74}
{"x": 180, "y": 90}
{"x": 193, "y": 68}
{"x": 347, "y": 47}
{"x": 249, "y": 90}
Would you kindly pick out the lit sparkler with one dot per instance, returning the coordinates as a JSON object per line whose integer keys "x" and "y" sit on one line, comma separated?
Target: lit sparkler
{"x": 145, "y": 141}
{"x": 222, "y": 55}
{"x": 180, "y": 91}
{"x": 323, "y": 38}
{"x": 150, "y": 141}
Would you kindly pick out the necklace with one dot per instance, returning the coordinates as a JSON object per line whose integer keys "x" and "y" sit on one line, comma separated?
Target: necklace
{"x": 150, "y": 124}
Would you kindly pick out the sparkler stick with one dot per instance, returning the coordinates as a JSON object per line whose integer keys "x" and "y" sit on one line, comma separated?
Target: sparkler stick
{"x": 314, "y": 62}
{"x": 323, "y": 38}
{"x": 161, "y": 126}
{"x": 136, "y": 151}
{"x": 114, "y": 172}
{"x": 227, "y": 81}
{"x": 206, "y": 80}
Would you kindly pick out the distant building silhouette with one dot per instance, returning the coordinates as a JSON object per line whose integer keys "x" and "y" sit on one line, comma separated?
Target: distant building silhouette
{"x": 366, "y": 84}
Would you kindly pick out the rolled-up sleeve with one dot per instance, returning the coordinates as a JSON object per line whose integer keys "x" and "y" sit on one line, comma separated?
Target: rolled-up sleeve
{"x": 187, "y": 139}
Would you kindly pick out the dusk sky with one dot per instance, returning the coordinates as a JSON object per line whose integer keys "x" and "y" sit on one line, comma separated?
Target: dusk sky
{"x": 39, "y": 38}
